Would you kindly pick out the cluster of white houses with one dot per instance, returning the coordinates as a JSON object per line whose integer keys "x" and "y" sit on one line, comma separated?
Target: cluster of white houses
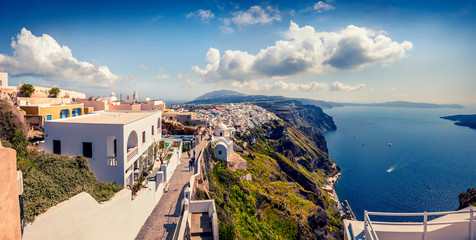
{"x": 116, "y": 143}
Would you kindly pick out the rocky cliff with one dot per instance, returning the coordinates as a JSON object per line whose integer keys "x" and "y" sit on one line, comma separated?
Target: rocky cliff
{"x": 308, "y": 119}
{"x": 280, "y": 195}
{"x": 463, "y": 120}
{"x": 467, "y": 198}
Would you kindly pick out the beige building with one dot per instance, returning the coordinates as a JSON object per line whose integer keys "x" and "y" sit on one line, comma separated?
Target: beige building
{"x": 38, "y": 114}
{"x": 3, "y": 79}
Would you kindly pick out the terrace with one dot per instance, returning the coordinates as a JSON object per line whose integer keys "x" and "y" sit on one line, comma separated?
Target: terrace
{"x": 450, "y": 225}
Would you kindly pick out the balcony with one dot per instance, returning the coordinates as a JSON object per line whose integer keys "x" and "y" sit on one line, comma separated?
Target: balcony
{"x": 132, "y": 153}
{"x": 449, "y": 225}
{"x": 112, "y": 161}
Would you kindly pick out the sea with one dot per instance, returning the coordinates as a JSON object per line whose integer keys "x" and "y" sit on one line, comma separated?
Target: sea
{"x": 401, "y": 159}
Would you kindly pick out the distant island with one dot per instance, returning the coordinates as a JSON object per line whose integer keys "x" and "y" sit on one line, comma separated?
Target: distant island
{"x": 463, "y": 120}
{"x": 404, "y": 104}
{"x": 229, "y": 96}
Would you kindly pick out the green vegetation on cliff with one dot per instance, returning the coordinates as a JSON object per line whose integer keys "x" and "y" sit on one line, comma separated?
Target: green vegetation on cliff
{"x": 276, "y": 197}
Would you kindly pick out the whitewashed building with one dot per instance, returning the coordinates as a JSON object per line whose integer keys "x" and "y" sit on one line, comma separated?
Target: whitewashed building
{"x": 223, "y": 142}
{"x": 116, "y": 143}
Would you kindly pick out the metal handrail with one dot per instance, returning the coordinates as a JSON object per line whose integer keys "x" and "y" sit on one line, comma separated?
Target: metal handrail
{"x": 417, "y": 214}
{"x": 373, "y": 234}
{"x": 370, "y": 231}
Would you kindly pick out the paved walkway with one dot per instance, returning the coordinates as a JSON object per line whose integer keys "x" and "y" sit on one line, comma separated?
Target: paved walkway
{"x": 162, "y": 221}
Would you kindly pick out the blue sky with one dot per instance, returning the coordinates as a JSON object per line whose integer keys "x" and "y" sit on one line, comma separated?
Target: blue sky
{"x": 347, "y": 51}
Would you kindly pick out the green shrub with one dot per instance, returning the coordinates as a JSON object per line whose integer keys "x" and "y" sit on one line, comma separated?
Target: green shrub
{"x": 6, "y": 143}
{"x": 49, "y": 179}
{"x": 9, "y": 125}
{"x": 20, "y": 144}
{"x": 226, "y": 231}
{"x": 200, "y": 194}
{"x": 184, "y": 148}
{"x": 104, "y": 191}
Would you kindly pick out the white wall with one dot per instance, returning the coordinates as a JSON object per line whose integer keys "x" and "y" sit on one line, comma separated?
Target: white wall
{"x": 72, "y": 135}
{"x": 143, "y": 124}
{"x": 81, "y": 217}
{"x": 3, "y": 79}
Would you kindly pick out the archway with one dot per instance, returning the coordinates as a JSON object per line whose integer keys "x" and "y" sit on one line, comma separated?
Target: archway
{"x": 132, "y": 141}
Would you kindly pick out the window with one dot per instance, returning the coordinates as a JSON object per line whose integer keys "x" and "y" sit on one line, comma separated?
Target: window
{"x": 49, "y": 117}
{"x": 219, "y": 152}
{"x": 57, "y": 146}
{"x": 88, "y": 149}
{"x": 115, "y": 148}
{"x": 64, "y": 113}
{"x": 143, "y": 137}
{"x": 152, "y": 130}
{"x": 76, "y": 112}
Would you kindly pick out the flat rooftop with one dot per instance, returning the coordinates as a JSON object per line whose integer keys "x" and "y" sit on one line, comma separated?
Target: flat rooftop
{"x": 108, "y": 117}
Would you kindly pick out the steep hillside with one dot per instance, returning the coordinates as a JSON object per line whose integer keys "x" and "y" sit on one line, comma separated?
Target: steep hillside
{"x": 276, "y": 197}
{"x": 227, "y": 96}
{"x": 463, "y": 120}
{"x": 311, "y": 120}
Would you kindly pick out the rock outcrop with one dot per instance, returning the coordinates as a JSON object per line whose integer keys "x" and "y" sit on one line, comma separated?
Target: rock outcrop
{"x": 467, "y": 198}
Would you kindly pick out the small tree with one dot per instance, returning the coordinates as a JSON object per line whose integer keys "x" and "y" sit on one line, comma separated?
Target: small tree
{"x": 27, "y": 89}
{"x": 20, "y": 143}
{"x": 162, "y": 151}
{"x": 54, "y": 92}
{"x": 188, "y": 123}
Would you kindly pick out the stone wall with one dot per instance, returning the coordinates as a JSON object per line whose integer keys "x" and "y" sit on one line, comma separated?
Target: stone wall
{"x": 10, "y": 205}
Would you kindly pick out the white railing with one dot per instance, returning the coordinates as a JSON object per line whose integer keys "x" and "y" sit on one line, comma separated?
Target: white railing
{"x": 112, "y": 161}
{"x": 132, "y": 153}
{"x": 370, "y": 232}
{"x": 368, "y": 224}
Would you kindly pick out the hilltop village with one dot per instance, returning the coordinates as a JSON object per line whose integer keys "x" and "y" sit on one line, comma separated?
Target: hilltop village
{"x": 77, "y": 167}
{"x": 137, "y": 153}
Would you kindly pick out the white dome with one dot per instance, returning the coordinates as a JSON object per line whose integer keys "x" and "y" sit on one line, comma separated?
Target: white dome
{"x": 147, "y": 99}
{"x": 221, "y": 126}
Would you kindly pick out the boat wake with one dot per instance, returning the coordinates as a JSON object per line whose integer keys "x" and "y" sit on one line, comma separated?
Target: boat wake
{"x": 391, "y": 169}
{"x": 398, "y": 165}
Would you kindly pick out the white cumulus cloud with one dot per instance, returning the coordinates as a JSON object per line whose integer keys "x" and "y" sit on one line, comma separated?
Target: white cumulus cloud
{"x": 190, "y": 82}
{"x": 304, "y": 52}
{"x": 203, "y": 15}
{"x": 323, "y": 6}
{"x": 281, "y": 85}
{"x": 161, "y": 78}
{"x": 252, "y": 85}
{"x": 183, "y": 76}
{"x": 255, "y": 15}
{"x": 43, "y": 56}
{"x": 338, "y": 86}
{"x": 143, "y": 66}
